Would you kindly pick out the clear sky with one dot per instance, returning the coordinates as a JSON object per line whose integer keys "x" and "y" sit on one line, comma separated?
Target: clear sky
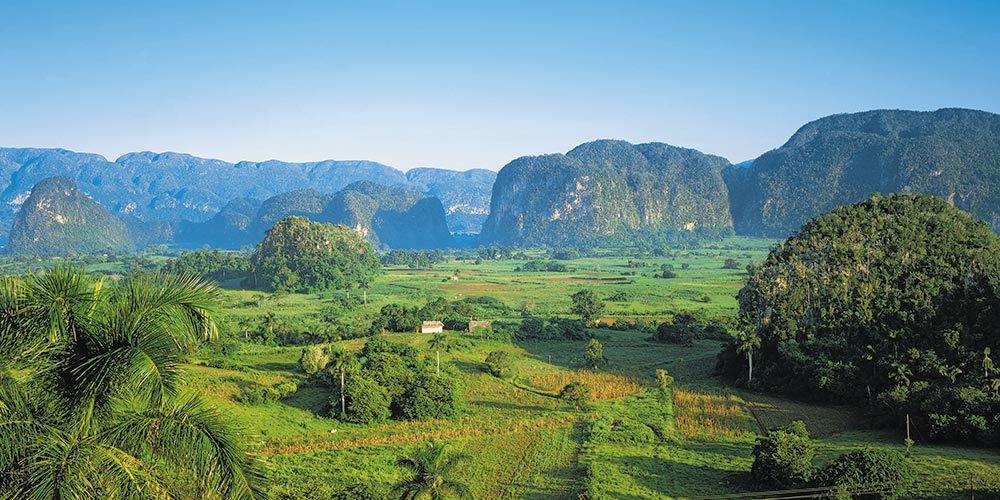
{"x": 473, "y": 84}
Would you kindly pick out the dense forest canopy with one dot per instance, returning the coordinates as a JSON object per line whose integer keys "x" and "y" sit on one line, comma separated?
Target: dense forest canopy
{"x": 892, "y": 302}
{"x": 299, "y": 255}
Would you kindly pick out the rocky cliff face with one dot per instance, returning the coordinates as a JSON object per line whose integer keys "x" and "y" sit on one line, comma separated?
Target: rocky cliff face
{"x": 58, "y": 219}
{"x": 464, "y": 195}
{"x": 611, "y": 193}
{"x": 953, "y": 154}
{"x": 390, "y": 216}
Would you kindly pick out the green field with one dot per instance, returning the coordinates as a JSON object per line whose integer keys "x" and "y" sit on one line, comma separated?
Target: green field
{"x": 522, "y": 442}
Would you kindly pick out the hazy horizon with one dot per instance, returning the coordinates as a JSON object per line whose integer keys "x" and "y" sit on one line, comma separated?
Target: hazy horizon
{"x": 461, "y": 86}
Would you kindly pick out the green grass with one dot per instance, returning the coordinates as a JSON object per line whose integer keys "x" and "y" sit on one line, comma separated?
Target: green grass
{"x": 521, "y": 441}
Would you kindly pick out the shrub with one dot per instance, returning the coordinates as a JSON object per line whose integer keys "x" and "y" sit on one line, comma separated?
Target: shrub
{"x": 257, "y": 394}
{"x": 429, "y": 397}
{"x": 663, "y": 379}
{"x": 500, "y": 364}
{"x": 783, "y": 457}
{"x": 576, "y": 394}
{"x": 870, "y": 468}
{"x": 367, "y": 402}
{"x": 594, "y": 354}
{"x": 314, "y": 359}
{"x": 609, "y": 430}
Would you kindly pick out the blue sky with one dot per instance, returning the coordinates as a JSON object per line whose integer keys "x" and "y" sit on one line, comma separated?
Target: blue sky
{"x": 474, "y": 84}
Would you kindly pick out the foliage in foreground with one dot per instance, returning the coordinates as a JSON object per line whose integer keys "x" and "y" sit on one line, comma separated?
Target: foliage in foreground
{"x": 90, "y": 396}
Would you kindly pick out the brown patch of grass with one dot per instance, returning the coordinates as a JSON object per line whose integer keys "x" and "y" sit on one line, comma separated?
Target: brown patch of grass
{"x": 474, "y": 287}
{"x": 603, "y": 385}
{"x": 711, "y": 416}
{"x": 577, "y": 279}
{"x": 724, "y": 285}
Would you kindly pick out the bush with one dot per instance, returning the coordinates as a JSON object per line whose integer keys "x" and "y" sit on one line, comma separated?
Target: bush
{"x": 367, "y": 402}
{"x": 783, "y": 458}
{"x": 663, "y": 379}
{"x": 257, "y": 394}
{"x": 314, "y": 359}
{"x": 429, "y": 397}
{"x": 552, "y": 329}
{"x": 594, "y": 353}
{"x": 576, "y": 394}
{"x": 880, "y": 468}
{"x": 626, "y": 431}
{"x": 500, "y": 364}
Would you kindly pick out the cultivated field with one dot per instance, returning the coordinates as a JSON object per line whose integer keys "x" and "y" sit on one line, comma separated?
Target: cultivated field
{"x": 633, "y": 441}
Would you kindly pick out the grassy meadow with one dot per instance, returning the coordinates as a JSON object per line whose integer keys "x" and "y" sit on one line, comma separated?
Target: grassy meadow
{"x": 521, "y": 441}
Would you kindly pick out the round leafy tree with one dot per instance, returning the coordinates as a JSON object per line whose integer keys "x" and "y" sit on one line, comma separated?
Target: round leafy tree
{"x": 299, "y": 255}
{"x": 868, "y": 469}
{"x": 783, "y": 458}
{"x": 893, "y": 300}
{"x": 367, "y": 401}
{"x": 429, "y": 397}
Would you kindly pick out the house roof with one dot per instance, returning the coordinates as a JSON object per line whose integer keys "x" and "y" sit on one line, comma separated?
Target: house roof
{"x": 433, "y": 323}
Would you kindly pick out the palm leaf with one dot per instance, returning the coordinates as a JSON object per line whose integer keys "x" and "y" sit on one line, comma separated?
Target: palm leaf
{"x": 193, "y": 433}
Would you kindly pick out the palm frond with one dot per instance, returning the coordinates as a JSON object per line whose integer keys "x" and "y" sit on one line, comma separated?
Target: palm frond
{"x": 61, "y": 300}
{"x": 194, "y": 433}
{"x": 183, "y": 304}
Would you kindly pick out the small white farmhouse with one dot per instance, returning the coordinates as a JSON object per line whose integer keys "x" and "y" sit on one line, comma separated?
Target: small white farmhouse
{"x": 432, "y": 327}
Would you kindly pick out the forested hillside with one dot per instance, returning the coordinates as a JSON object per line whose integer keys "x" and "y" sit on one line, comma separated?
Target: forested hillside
{"x": 608, "y": 193}
{"x": 175, "y": 186}
{"x": 58, "y": 219}
{"x": 953, "y": 154}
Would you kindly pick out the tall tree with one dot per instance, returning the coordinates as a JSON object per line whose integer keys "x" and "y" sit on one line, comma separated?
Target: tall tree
{"x": 437, "y": 342}
{"x": 587, "y": 304}
{"x": 746, "y": 342}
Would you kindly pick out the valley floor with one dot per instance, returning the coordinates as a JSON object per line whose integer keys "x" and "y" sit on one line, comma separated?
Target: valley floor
{"x": 522, "y": 442}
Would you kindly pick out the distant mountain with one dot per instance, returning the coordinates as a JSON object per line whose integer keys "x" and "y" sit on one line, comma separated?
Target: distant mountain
{"x": 388, "y": 216}
{"x": 950, "y": 153}
{"x": 391, "y": 216}
{"x": 230, "y": 228}
{"x": 59, "y": 219}
{"x": 608, "y": 192}
{"x": 176, "y": 186}
{"x": 465, "y": 195}
{"x": 304, "y": 202}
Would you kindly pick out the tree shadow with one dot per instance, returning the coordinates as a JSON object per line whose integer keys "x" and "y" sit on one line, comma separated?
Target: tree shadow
{"x": 677, "y": 479}
{"x": 468, "y": 366}
{"x": 315, "y": 400}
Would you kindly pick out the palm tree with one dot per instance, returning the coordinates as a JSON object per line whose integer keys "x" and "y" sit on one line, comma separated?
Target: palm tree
{"x": 439, "y": 341}
{"x": 342, "y": 361}
{"x": 746, "y": 342}
{"x": 91, "y": 404}
{"x": 431, "y": 467}
{"x": 269, "y": 321}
